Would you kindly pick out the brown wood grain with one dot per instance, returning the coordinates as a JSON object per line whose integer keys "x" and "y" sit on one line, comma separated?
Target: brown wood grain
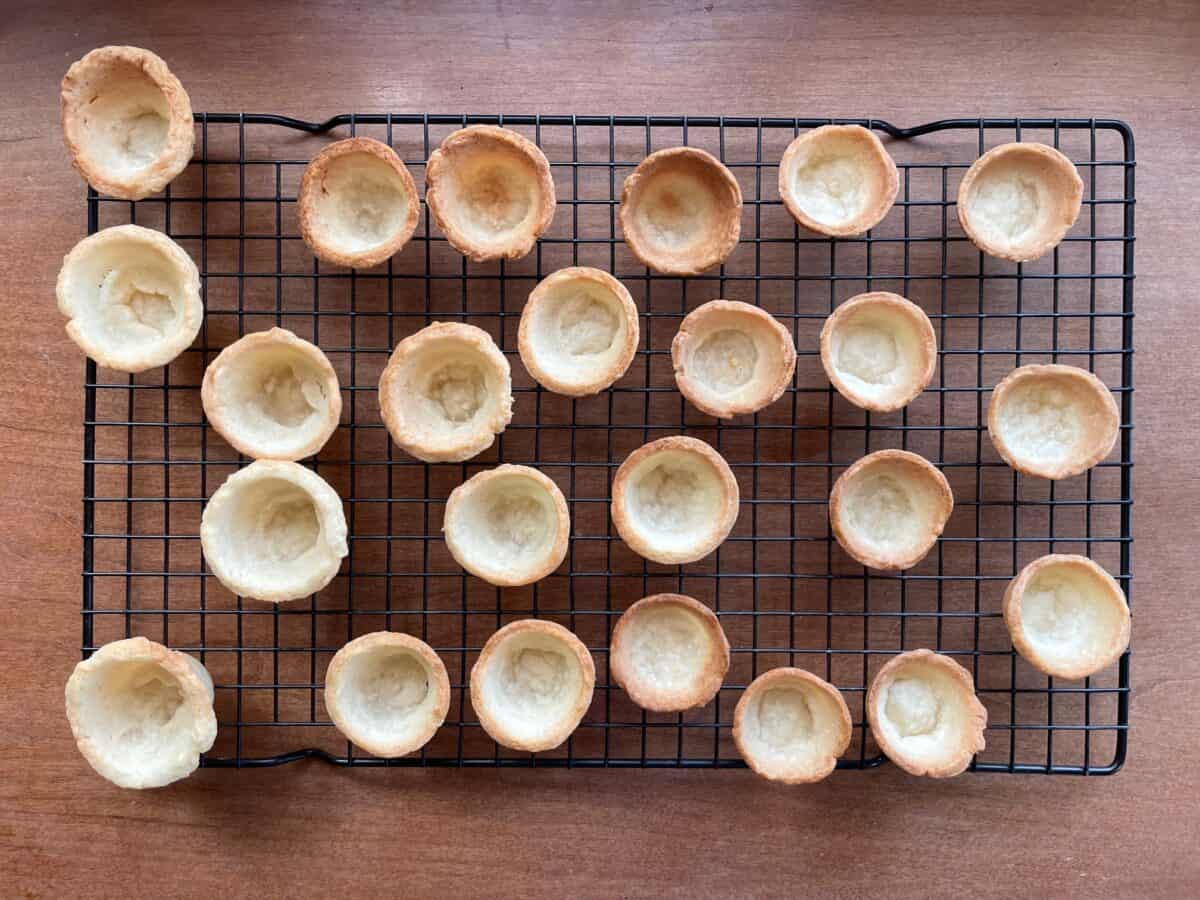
{"x": 309, "y": 828}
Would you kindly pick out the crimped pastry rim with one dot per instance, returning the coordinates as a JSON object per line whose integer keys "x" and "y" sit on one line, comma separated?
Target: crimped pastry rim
{"x": 602, "y": 378}
{"x": 878, "y": 156}
{"x": 214, "y": 409}
{"x": 554, "y": 552}
{"x": 694, "y": 328}
{"x": 728, "y": 234}
{"x": 824, "y": 765}
{"x": 712, "y": 675}
{"x": 704, "y": 544}
{"x": 902, "y": 307}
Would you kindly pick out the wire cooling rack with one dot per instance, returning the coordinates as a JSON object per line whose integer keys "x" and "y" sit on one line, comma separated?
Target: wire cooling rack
{"x": 785, "y": 593}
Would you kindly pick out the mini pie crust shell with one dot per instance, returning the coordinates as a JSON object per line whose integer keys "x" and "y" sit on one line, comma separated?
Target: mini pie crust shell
{"x": 110, "y": 678}
{"x": 426, "y": 436}
{"x": 568, "y": 373}
{"x": 480, "y": 556}
{"x": 253, "y": 432}
{"x": 877, "y": 163}
{"x": 84, "y": 100}
{"x": 632, "y": 650}
{"x": 771, "y": 369}
{"x": 957, "y": 748}
{"x": 720, "y": 222}
{"x": 821, "y": 701}
{"x": 463, "y": 150}
{"x": 344, "y": 694}
{"x": 1057, "y": 184}
{"x": 1098, "y": 424}
{"x": 918, "y": 350}
{"x": 938, "y": 503}
{"x": 274, "y": 531}
{"x": 724, "y": 510}
{"x": 1107, "y": 592}
{"x": 488, "y": 675}
{"x": 140, "y": 264}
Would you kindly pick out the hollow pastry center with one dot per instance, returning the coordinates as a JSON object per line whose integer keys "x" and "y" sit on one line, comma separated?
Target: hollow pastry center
{"x": 517, "y": 525}
{"x": 784, "y": 717}
{"x": 1064, "y": 614}
{"x": 913, "y": 707}
{"x": 285, "y": 524}
{"x": 670, "y": 498}
{"x": 392, "y": 685}
{"x": 586, "y": 325}
{"x": 1006, "y": 205}
{"x": 140, "y": 136}
{"x": 868, "y": 350}
{"x": 287, "y": 397}
{"x": 458, "y": 390}
{"x": 668, "y": 647}
{"x": 367, "y": 207}
{"x": 126, "y": 120}
{"x": 1041, "y": 420}
{"x": 725, "y": 360}
{"x": 138, "y": 302}
{"x": 140, "y": 699}
{"x": 677, "y": 207}
{"x": 831, "y": 189}
{"x": 494, "y": 197}
{"x": 535, "y": 678}
{"x": 883, "y": 511}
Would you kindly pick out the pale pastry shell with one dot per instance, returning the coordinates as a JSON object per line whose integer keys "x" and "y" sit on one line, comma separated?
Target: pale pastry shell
{"x": 563, "y": 672}
{"x": 110, "y": 100}
{"x": 274, "y": 531}
{"x": 104, "y": 288}
{"x": 795, "y": 758}
{"x": 366, "y": 686}
{"x": 582, "y": 355}
{"x": 109, "y": 704}
{"x": 491, "y": 518}
{"x": 945, "y": 747}
{"x": 245, "y": 375}
{"x": 759, "y": 337}
{"x": 669, "y": 653}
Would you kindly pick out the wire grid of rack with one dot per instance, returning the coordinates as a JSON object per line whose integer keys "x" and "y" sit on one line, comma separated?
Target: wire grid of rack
{"x": 785, "y": 593}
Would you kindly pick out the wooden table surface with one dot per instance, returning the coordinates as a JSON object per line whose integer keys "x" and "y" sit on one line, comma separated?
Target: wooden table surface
{"x": 310, "y": 827}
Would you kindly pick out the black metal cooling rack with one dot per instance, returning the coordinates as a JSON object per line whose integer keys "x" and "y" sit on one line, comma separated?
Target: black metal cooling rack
{"x": 786, "y": 594}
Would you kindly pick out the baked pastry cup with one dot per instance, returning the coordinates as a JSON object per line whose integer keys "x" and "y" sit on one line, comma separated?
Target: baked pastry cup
{"x": 272, "y": 395}
{"x": 141, "y": 714}
{"x": 888, "y": 509}
{"x": 131, "y": 297}
{"x": 508, "y": 525}
{"x": 387, "y": 692}
{"x": 669, "y": 653}
{"x": 791, "y": 726}
{"x": 924, "y": 714}
{"x": 274, "y": 531}
{"x": 1052, "y": 421}
{"x": 1067, "y": 616}
{"x": 838, "y": 180}
{"x": 446, "y": 392}
{"x": 579, "y": 331}
{"x": 357, "y": 203}
{"x": 674, "y": 500}
{"x": 879, "y": 351}
{"x": 1018, "y": 201}
{"x": 490, "y": 191}
{"x": 732, "y": 358}
{"x": 532, "y": 685}
{"x": 127, "y": 121}
{"x": 681, "y": 211}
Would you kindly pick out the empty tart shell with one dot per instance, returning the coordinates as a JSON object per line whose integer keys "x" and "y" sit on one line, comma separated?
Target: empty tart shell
{"x": 669, "y": 653}
{"x": 387, "y": 692}
{"x": 924, "y": 714}
{"x": 732, "y": 358}
{"x": 838, "y": 180}
{"x": 681, "y": 211}
{"x": 127, "y": 121}
{"x": 674, "y": 500}
{"x": 888, "y": 509}
{"x": 879, "y": 351}
{"x": 446, "y": 392}
{"x": 131, "y": 297}
{"x": 141, "y": 713}
{"x": 272, "y": 395}
{"x": 579, "y": 331}
{"x": 1018, "y": 201}
{"x": 791, "y": 726}
{"x": 490, "y": 191}
{"x": 532, "y": 684}
{"x": 1052, "y": 421}
{"x": 1067, "y": 616}
{"x": 274, "y": 531}
{"x": 357, "y": 203}
{"x": 508, "y": 525}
